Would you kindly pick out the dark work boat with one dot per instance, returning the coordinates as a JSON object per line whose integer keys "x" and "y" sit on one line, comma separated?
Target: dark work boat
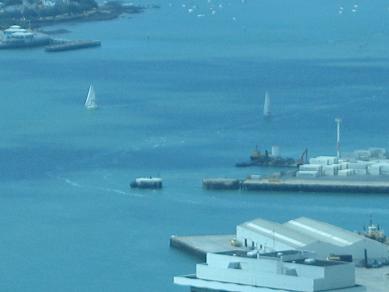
{"x": 273, "y": 159}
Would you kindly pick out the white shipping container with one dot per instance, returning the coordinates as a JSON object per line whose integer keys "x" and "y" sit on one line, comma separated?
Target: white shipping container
{"x": 362, "y": 154}
{"x": 307, "y": 174}
{"x": 330, "y": 170}
{"x": 275, "y": 151}
{"x": 346, "y": 172}
{"x": 343, "y": 165}
{"x": 385, "y": 167}
{"x": 336, "y": 166}
{"x": 374, "y": 169}
{"x": 358, "y": 165}
{"x": 360, "y": 171}
{"x": 318, "y": 161}
{"x": 308, "y": 167}
{"x": 330, "y": 159}
{"x": 377, "y": 152}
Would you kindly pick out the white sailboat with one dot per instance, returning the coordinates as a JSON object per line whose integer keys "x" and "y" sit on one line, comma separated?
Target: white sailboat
{"x": 266, "y": 106}
{"x": 90, "y": 102}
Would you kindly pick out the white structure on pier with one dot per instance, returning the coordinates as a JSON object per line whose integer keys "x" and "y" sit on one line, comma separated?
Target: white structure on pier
{"x": 338, "y": 121}
{"x": 279, "y": 271}
{"x": 307, "y": 234}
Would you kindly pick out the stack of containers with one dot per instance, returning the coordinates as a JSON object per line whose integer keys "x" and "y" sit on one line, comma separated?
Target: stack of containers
{"x": 330, "y": 159}
{"x": 346, "y": 172}
{"x": 307, "y": 173}
{"x": 323, "y": 160}
{"x": 374, "y": 169}
{"x": 359, "y": 167}
{"x": 311, "y": 167}
{"x": 362, "y": 155}
{"x": 379, "y": 153}
{"x": 385, "y": 168}
{"x": 343, "y": 165}
{"x": 330, "y": 170}
{"x": 327, "y": 163}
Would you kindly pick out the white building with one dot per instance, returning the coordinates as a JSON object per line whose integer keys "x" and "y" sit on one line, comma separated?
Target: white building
{"x": 279, "y": 271}
{"x": 311, "y": 235}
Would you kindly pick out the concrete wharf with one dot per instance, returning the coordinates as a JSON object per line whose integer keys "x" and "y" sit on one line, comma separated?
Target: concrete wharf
{"x": 221, "y": 184}
{"x": 317, "y": 185}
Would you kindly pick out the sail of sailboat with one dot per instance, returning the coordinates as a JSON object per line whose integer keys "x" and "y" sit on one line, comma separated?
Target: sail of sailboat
{"x": 266, "y": 106}
{"x": 90, "y": 102}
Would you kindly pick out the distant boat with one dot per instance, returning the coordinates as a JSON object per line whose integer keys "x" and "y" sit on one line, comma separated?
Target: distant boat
{"x": 266, "y": 106}
{"x": 147, "y": 183}
{"x": 90, "y": 102}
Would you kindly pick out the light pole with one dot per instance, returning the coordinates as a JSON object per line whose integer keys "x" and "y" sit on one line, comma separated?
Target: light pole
{"x": 338, "y": 121}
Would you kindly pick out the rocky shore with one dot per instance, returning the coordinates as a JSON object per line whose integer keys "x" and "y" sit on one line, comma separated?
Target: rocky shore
{"x": 37, "y": 16}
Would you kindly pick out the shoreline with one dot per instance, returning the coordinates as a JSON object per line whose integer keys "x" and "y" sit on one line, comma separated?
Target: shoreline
{"x": 105, "y": 12}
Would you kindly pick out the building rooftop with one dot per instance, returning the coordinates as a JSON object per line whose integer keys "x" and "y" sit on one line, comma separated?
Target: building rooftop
{"x": 302, "y": 260}
{"x": 324, "y": 231}
{"x": 303, "y": 231}
{"x": 280, "y": 232}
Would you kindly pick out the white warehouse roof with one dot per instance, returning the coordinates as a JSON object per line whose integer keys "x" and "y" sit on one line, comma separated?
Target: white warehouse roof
{"x": 310, "y": 235}
{"x": 279, "y": 232}
{"x": 324, "y": 231}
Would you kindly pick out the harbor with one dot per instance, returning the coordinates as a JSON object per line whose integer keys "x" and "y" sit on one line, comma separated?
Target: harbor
{"x": 179, "y": 96}
{"x": 361, "y": 171}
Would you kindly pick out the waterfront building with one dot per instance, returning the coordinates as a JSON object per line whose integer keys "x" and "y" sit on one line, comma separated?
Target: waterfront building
{"x": 307, "y": 234}
{"x": 17, "y": 37}
{"x": 283, "y": 271}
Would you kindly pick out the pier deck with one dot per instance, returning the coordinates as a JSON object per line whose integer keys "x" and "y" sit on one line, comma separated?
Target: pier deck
{"x": 375, "y": 280}
{"x": 72, "y": 45}
{"x": 343, "y": 185}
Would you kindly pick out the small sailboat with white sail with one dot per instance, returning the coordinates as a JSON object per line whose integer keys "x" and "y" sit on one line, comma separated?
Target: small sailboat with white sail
{"x": 90, "y": 102}
{"x": 266, "y": 106}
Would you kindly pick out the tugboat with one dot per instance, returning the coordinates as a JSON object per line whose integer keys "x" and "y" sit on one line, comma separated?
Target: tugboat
{"x": 375, "y": 232}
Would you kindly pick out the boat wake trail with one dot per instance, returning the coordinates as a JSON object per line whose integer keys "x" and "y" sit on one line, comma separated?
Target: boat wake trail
{"x": 94, "y": 188}
{"x": 72, "y": 183}
{"x": 118, "y": 191}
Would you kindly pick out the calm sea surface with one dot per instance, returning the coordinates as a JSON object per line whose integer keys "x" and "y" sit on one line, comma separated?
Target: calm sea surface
{"x": 180, "y": 96}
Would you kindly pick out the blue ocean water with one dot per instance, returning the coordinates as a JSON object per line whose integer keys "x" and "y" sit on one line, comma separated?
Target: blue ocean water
{"x": 180, "y": 96}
